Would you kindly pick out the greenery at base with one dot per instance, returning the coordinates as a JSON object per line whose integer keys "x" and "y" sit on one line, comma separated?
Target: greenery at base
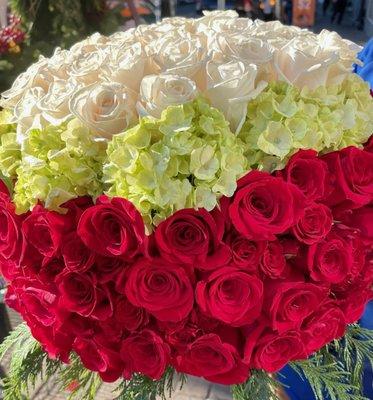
{"x": 260, "y": 386}
{"x": 335, "y": 371}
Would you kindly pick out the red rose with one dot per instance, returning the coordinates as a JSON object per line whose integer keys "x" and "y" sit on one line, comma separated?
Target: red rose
{"x": 361, "y": 219}
{"x": 79, "y": 326}
{"x": 307, "y": 172}
{"x": 43, "y": 229}
{"x": 113, "y": 227}
{"x": 332, "y": 259}
{"x": 353, "y": 302}
{"x": 214, "y": 360}
{"x": 56, "y": 343}
{"x": 314, "y": 225}
{"x": 246, "y": 254}
{"x": 184, "y": 334}
{"x": 164, "y": 290}
{"x": 76, "y": 207}
{"x": 273, "y": 262}
{"x": 193, "y": 237}
{"x": 4, "y": 189}
{"x": 101, "y": 359}
{"x": 109, "y": 269}
{"x": 264, "y": 206}
{"x": 36, "y": 300}
{"x": 369, "y": 144}
{"x": 82, "y": 294}
{"x": 231, "y": 296}
{"x": 288, "y": 304}
{"x": 322, "y": 326}
{"x": 129, "y": 316}
{"x": 350, "y": 177}
{"x": 76, "y": 255}
{"x": 145, "y": 352}
{"x": 273, "y": 350}
{"x": 49, "y": 269}
{"x": 11, "y": 238}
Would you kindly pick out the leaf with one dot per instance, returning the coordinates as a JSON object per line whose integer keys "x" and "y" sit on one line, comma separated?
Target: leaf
{"x": 260, "y": 386}
{"x": 141, "y": 387}
{"x": 327, "y": 379}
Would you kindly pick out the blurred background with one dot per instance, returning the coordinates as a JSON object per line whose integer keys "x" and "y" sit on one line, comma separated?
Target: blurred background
{"x": 29, "y": 28}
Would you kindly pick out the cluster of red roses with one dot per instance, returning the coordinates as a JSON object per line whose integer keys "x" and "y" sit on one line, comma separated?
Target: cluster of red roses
{"x": 271, "y": 276}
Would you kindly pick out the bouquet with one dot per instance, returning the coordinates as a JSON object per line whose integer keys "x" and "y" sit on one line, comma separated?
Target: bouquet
{"x": 190, "y": 197}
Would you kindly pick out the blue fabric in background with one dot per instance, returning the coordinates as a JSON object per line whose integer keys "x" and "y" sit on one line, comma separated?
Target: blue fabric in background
{"x": 296, "y": 388}
{"x": 366, "y": 70}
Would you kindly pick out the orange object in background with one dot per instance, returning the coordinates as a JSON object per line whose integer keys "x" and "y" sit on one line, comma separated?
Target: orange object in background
{"x": 140, "y": 8}
{"x": 304, "y": 13}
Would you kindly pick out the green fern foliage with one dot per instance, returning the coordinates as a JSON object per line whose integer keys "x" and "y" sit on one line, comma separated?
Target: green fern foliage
{"x": 28, "y": 364}
{"x": 327, "y": 379}
{"x": 142, "y": 388}
{"x": 260, "y": 386}
{"x": 353, "y": 350}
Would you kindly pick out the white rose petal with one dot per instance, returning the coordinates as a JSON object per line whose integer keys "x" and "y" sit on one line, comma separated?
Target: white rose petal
{"x": 157, "y": 92}
{"x": 180, "y": 55}
{"x": 304, "y": 64}
{"x": 55, "y": 104}
{"x": 27, "y": 113}
{"x": 106, "y": 108}
{"x": 87, "y": 67}
{"x": 230, "y": 86}
{"x": 126, "y": 65}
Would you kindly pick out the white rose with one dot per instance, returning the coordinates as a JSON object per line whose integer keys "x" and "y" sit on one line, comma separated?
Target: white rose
{"x": 86, "y": 67}
{"x": 27, "y": 114}
{"x": 54, "y": 106}
{"x": 346, "y": 49}
{"x": 275, "y": 29}
{"x": 147, "y": 34}
{"x": 89, "y": 45}
{"x": 59, "y": 64}
{"x": 30, "y": 78}
{"x": 243, "y": 48}
{"x": 126, "y": 65}
{"x": 230, "y": 86}
{"x": 123, "y": 38}
{"x": 179, "y": 54}
{"x": 157, "y": 92}
{"x": 303, "y": 63}
{"x": 106, "y": 108}
{"x": 187, "y": 24}
{"x": 211, "y": 18}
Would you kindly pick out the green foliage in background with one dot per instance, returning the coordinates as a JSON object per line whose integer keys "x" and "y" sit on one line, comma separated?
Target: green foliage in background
{"x": 52, "y": 23}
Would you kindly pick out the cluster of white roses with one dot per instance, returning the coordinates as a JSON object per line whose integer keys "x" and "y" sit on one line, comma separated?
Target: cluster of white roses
{"x": 108, "y": 82}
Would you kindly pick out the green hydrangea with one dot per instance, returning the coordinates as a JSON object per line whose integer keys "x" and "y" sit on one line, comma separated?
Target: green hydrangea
{"x": 187, "y": 158}
{"x": 283, "y": 119}
{"x": 10, "y": 152}
{"x": 58, "y": 164}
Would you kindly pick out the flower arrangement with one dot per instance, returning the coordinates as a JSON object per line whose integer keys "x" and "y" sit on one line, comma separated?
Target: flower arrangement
{"x": 11, "y": 36}
{"x": 192, "y": 196}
